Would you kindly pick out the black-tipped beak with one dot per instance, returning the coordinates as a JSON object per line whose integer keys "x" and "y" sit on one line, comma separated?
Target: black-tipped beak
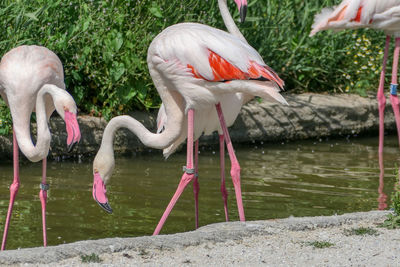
{"x": 105, "y": 206}
{"x": 243, "y": 12}
{"x": 71, "y": 146}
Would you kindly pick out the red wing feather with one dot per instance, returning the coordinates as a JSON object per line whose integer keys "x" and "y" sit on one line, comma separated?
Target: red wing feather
{"x": 224, "y": 71}
{"x": 358, "y": 16}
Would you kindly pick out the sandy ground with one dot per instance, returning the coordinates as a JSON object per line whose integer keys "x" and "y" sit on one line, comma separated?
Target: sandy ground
{"x": 285, "y": 242}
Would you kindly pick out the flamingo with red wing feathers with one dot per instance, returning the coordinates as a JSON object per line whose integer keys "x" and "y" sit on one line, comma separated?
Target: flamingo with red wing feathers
{"x": 207, "y": 120}
{"x": 376, "y": 14}
{"x": 192, "y": 66}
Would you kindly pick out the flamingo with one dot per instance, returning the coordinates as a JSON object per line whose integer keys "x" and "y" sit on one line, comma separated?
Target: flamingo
{"x": 192, "y": 66}
{"x": 375, "y": 14}
{"x": 32, "y": 79}
{"x": 207, "y": 120}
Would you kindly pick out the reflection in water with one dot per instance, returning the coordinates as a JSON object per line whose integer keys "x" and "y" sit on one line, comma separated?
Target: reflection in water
{"x": 309, "y": 178}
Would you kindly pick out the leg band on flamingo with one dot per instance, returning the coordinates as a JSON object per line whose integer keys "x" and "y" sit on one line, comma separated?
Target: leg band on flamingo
{"x": 188, "y": 171}
{"x": 44, "y": 187}
{"x": 393, "y": 89}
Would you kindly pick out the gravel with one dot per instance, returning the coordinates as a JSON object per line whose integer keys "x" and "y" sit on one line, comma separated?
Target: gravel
{"x": 282, "y": 242}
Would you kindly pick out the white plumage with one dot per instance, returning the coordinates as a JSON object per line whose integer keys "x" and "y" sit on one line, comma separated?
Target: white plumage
{"x": 353, "y": 14}
{"x": 190, "y": 44}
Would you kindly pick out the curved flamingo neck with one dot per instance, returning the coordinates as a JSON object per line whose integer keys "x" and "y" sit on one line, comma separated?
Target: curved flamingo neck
{"x": 175, "y": 111}
{"x": 38, "y": 151}
{"x": 228, "y": 20}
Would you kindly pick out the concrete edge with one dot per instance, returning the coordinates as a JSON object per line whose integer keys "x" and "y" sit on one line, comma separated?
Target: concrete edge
{"x": 219, "y": 232}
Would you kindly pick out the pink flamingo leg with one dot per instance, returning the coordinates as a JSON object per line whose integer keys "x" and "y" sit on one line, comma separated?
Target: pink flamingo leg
{"x": 43, "y": 198}
{"x": 222, "y": 164}
{"x": 196, "y": 187}
{"x": 381, "y": 96}
{"x": 13, "y": 190}
{"x": 393, "y": 88}
{"x": 382, "y": 205}
{"x": 187, "y": 177}
{"x": 235, "y": 167}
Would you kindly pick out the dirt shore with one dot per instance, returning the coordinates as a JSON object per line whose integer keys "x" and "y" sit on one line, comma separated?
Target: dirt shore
{"x": 347, "y": 240}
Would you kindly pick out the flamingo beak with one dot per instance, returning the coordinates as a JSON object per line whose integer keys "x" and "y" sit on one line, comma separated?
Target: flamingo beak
{"x": 243, "y": 11}
{"x": 72, "y": 127}
{"x": 99, "y": 193}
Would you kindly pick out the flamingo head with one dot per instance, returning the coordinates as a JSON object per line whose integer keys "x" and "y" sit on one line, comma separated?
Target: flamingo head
{"x": 103, "y": 166}
{"x": 242, "y": 6}
{"x": 66, "y": 107}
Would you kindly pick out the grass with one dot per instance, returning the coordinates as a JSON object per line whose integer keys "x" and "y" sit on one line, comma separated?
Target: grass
{"x": 361, "y": 231}
{"x": 320, "y": 244}
{"x": 143, "y": 252}
{"x": 393, "y": 219}
{"x": 90, "y": 258}
{"x": 103, "y": 46}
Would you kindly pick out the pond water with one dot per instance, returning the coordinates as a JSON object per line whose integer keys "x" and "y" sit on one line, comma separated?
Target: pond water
{"x": 307, "y": 178}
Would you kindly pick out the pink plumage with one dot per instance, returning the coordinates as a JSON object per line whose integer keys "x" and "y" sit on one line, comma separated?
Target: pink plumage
{"x": 353, "y": 14}
{"x": 202, "y": 75}
{"x": 32, "y": 79}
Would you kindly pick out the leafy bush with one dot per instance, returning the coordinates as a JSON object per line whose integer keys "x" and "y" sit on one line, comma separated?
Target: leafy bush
{"x": 103, "y": 45}
{"x": 393, "y": 219}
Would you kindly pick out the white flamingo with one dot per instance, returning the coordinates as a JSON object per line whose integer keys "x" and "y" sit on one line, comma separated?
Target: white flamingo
{"x": 376, "y": 14}
{"x": 207, "y": 120}
{"x": 192, "y": 66}
{"x": 32, "y": 79}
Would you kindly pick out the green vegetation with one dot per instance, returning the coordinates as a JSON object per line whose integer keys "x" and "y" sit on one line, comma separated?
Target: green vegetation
{"x": 393, "y": 219}
{"x": 361, "y": 231}
{"x": 320, "y": 244}
{"x": 103, "y": 45}
{"x": 90, "y": 258}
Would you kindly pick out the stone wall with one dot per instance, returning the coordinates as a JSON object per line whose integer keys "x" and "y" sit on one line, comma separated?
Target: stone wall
{"x": 308, "y": 116}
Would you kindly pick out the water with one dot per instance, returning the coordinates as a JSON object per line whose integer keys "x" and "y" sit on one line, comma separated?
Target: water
{"x": 309, "y": 178}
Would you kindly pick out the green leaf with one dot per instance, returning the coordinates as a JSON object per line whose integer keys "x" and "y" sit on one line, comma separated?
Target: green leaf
{"x": 155, "y": 10}
{"x": 31, "y": 15}
{"x": 126, "y": 93}
{"x": 118, "y": 71}
{"x": 118, "y": 41}
{"x": 86, "y": 25}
